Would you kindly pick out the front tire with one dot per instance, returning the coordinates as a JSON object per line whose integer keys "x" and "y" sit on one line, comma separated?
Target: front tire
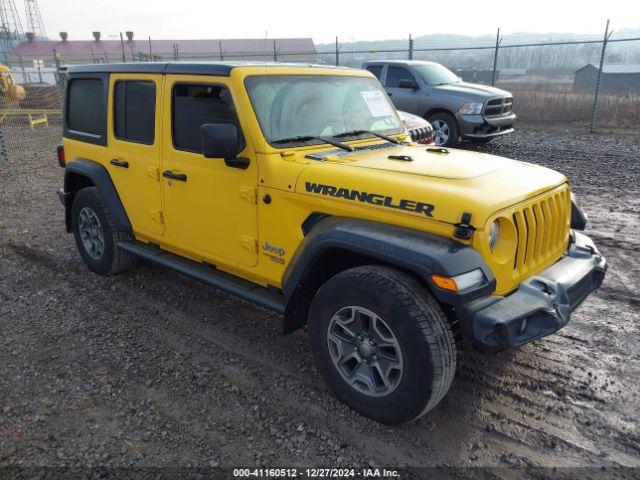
{"x": 96, "y": 236}
{"x": 446, "y": 129}
{"x": 382, "y": 343}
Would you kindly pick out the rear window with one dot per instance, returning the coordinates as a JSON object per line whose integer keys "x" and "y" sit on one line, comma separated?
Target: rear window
{"x": 85, "y": 101}
{"x": 376, "y": 70}
{"x": 134, "y": 111}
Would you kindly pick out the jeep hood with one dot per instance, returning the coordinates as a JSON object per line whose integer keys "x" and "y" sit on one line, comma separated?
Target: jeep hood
{"x": 453, "y": 183}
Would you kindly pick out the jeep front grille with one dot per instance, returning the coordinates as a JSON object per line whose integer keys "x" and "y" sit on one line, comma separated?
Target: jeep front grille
{"x": 498, "y": 106}
{"x": 542, "y": 227}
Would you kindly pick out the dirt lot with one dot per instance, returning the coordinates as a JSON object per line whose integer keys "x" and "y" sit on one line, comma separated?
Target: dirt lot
{"x": 152, "y": 369}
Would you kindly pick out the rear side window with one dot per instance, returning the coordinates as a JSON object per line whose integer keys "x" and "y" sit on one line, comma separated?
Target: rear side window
{"x": 376, "y": 70}
{"x": 134, "y": 111}
{"x": 85, "y": 106}
{"x": 197, "y": 104}
{"x": 395, "y": 74}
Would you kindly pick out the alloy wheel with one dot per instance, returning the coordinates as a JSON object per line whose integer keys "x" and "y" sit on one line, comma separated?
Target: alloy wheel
{"x": 91, "y": 233}
{"x": 365, "y": 351}
{"x": 441, "y": 129}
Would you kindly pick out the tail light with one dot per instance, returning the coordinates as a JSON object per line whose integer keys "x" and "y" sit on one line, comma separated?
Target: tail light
{"x": 61, "y": 160}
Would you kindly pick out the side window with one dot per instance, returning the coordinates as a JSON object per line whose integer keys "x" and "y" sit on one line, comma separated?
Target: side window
{"x": 395, "y": 74}
{"x": 85, "y": 101}
{"x": 134, "y": 111}
{"x": 197, "y": 104}
{"x": 376, "y": 70}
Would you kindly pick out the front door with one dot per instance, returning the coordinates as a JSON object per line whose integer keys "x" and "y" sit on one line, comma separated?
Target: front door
{"x": 134, "y": 141}
{"x": 210, "y": 207}
{"x": 405, "y": 99}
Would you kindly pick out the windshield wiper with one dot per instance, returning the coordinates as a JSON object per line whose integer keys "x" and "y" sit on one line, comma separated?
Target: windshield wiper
{"x": 353, "y": 133}
{"x": 306, "y": 138}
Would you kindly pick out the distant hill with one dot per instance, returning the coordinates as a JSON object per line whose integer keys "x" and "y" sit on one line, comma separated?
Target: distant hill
{"x": 488, "y": 40}
{"x": 481, "y": 56}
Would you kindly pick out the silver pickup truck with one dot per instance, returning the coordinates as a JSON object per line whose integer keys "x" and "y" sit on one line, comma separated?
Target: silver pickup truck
{"x": 456, "y": 109}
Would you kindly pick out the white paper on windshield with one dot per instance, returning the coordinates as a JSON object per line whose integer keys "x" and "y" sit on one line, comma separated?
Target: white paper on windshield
{"x": 376, "y": 103}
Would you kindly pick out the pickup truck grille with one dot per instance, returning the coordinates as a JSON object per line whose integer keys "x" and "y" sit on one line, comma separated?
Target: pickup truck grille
{"x": 498, "y": 106}
{"x": 542, "y": 227}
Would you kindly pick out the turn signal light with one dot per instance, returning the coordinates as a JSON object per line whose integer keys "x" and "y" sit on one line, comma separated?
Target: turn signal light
{"x": 445, "y": 283}
{"x": 460, "y": 283}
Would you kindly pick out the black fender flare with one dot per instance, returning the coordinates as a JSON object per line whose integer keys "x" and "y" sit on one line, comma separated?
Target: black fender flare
{"x": 100, "y": 178}
{"x": 419, "y": 253}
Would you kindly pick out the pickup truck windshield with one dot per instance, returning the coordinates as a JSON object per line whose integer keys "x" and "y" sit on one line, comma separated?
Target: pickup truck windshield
{"x": 297, "y": 107}
{"x": 435, "y": 74}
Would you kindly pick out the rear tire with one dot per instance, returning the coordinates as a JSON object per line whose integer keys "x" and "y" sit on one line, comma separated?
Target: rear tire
{"x": 96, "y": 236}
{"x": 413, "y": 342}
{"x": 446, "y": 129}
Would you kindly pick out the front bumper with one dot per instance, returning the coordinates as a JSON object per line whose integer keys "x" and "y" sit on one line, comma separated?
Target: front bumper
{"x": 541, "y": 305}
{"x": 480, "y": 127}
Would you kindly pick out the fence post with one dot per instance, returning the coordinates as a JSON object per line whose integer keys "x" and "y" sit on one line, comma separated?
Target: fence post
{"x": 594, "y": 112}
{"x": 337, "y": 53}
{"x": 24, "y": 72}
{"x": 495, "y": 59}
{"x": 124, "y": 58}
{"x": 410, "y": 47}
{"x": 58, "y": 65}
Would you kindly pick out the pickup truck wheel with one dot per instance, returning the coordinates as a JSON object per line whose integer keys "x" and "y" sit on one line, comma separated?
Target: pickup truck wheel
{"x": 445, "y": 128}
{"x": 96, "y": 236}
{"x": 382, "y": 343}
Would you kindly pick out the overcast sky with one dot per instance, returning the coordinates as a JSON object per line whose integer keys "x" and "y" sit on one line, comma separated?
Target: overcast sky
{"x": 323, "y": 20}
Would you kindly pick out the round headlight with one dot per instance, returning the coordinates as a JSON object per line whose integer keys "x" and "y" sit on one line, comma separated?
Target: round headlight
{"x": 494, "y": 234}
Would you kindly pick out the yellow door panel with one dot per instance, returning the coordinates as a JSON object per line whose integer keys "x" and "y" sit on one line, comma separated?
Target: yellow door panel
{"x": 134, "y": 136}
{"x": 206, "y": 207}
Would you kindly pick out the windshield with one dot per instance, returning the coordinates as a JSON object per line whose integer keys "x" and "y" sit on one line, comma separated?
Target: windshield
{"x": 435, "y": 74}
{"x": 289, "y": 106}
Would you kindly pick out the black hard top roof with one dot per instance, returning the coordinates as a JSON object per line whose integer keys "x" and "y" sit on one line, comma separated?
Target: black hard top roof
{"x": 188, "y": 68}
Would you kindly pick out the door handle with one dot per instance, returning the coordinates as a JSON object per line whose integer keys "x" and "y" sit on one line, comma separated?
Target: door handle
{"x": 174, "y": 176}
{"x": 390, "y": 94}
{"x": 119, "y": 163}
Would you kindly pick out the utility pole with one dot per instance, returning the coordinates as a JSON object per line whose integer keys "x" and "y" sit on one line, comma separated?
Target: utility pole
{"x": 124, "y": 57}
{"x": 594, "y": 112}
{"x": 220, "y": 48}
{"x": 275, "y": 51}
{"x": 410, "y": 47}
{"x": 495, "y": 59}
{"x": 337, "y": 52}
{"x": 150, "y": 51}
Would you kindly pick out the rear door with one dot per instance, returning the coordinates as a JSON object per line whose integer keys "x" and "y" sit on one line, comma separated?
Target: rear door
{"x": 406, "y": 99}
{"x": 134, "y": 132}
{"x": 376, "y": 70}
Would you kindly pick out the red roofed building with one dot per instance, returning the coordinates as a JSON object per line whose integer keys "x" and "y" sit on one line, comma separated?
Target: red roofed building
{"x": 98, "y": 50}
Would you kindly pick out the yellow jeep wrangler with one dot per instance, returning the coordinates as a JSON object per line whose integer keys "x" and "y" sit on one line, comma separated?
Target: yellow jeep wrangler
{"x": 298, "y": 188}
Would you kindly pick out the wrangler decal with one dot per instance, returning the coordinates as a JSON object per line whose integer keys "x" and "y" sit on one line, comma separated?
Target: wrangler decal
{"x": 372, "y": 198}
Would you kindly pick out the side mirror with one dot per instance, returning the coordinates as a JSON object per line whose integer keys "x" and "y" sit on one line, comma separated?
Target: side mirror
{"x": 405, "y": 83}
{"x": 220, "y": 140}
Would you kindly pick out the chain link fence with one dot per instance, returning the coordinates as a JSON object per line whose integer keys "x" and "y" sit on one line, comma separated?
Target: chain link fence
{"x": 588, "y": 81}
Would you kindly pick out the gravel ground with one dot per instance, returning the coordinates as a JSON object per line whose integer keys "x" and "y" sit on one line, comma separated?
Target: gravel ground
{"x": 150, "y": 368}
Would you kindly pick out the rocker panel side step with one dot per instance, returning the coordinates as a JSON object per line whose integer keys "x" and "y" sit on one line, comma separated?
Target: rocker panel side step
{"x": 208, "y": 274}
